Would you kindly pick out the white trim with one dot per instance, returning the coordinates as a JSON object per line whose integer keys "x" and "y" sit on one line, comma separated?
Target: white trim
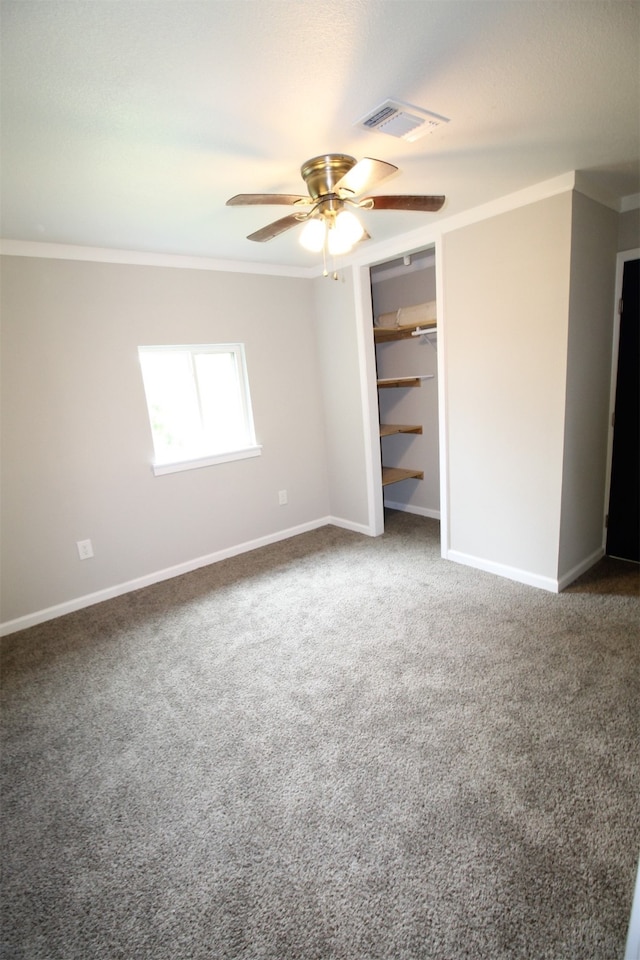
{"x": 630, "y": 202}
{"x": 443, "y": 407}
{"x": 160, "y": 469}
{"x": 203, "y": 456}
{"x": 139, "y": 583}
{"x": 425, "y": 236}
{"x": 588, "y": 188}
{"x": 526, "y": 576}
{"x": 368, "y": 396}
{"x": 365, "y": 255}
{"x": 88, "y": 600}
{"x": 632, "y": 951}
{"x": 512, "y": 201}
{"x": 580, "y": 568}
{"x": 369, "y": 254}
{"x": 410, "y": 508}
{"x": 67, "y": 251}
{"x": 502, "y": 570}
{"x": 363, "y": 528}
{"x": 621, "y": 259}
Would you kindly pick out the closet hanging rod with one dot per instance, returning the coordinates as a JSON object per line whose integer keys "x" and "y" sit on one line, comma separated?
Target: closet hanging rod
{"x": 425, "y": 332}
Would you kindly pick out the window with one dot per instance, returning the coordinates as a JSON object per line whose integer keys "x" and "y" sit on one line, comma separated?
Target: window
{"x": 199, "y": 405}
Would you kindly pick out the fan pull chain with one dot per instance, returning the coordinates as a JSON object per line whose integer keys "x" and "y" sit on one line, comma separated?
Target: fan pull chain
{"x": 325, "y": 271}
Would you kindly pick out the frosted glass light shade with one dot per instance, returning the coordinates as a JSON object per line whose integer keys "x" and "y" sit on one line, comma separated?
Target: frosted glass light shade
{"x": 339, "y": 234}
{"x": 313, "y": 234}
{"x": 349, "y": 227}
{"x": 337, "y": 242}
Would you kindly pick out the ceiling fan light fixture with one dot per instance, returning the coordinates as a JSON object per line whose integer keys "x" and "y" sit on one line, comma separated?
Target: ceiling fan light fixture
{"x": 340, "y": 233}
{"x": 334, "y": 182}
{"x": 313, "y": 235}
{"x": 348, "y": 226}
{"x": 338, "y": 241}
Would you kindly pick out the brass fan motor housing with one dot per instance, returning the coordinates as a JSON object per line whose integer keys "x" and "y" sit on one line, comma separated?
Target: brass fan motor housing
{"x": 322, "y": 173}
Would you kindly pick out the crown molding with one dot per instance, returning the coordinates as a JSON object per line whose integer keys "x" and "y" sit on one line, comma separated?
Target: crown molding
{"x": 64, "y": 251}
{"x": 372, "y": 253}
{"x": 429, "y": 234}
{"x": 631, "y": 202}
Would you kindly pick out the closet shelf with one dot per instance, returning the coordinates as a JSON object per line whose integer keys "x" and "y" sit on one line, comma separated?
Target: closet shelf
{"x": 388, "y": 429}
{"x": 395, "y": 474}
{"x": 405, "y": 381}
{"x": 385, "y": 334}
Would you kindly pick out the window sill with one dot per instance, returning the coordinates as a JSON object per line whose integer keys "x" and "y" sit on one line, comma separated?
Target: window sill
{"x": 161, "y": 468}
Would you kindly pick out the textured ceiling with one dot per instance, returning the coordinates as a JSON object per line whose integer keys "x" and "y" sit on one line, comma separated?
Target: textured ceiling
{"x": 129, "y": 124}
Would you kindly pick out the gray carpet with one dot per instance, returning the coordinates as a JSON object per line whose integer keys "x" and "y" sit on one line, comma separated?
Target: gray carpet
{"x": 332, "y": 748}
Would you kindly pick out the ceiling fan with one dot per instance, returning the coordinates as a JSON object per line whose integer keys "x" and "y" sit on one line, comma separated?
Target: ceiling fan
{"x": 335, "y": 184}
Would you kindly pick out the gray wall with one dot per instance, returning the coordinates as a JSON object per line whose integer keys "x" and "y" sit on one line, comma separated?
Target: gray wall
{"x": 337, "y": 350}
{"x": 76, "y": 443}
{"x": 527, "y": 305}
{"x": 506, "y": 299}
{"x": 629, "y": 231}
{"x": 591, "y": 311}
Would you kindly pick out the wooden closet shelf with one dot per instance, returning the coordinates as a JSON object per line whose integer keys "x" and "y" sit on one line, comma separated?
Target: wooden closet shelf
{"x": 388, "y": 429}
{"x": 395, "y": 474}
{"x": 405, "y": 381}
{"x": 384, "y": 334}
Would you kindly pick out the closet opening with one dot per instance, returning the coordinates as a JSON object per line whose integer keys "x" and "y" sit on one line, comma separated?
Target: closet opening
{"x": 405, "y": 315}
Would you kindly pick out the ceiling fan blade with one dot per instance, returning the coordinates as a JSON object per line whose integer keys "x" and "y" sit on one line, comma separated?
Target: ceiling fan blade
{"x": 249, "y": 199}
{"x": 408, "y": 202}
{"x": 363, "y": 176}
{"x": 277, "y": 227}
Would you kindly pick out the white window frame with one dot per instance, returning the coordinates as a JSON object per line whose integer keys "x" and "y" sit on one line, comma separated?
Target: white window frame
{"x": 253, "y": 449}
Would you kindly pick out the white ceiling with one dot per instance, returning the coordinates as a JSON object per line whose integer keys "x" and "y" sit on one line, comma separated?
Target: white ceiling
{"x": 129, "y": 123}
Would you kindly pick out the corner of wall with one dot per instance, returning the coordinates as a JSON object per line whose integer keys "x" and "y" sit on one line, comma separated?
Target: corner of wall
{"x": 594, "y": 229}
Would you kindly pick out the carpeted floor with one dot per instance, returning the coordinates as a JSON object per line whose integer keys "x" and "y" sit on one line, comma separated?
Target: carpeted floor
{"x": 332, "y": 748}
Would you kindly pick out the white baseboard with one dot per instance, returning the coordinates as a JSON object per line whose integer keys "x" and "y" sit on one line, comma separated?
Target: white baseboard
{"x": 580, "y": 568}
{"x": 632, "y": 951}
{"x": 525, "y": 576}
{"x": 349, "y": 525}
{"x": 410, "y": 508}
{"x": 78, "y": 603}
{"x": 503, "y": 570}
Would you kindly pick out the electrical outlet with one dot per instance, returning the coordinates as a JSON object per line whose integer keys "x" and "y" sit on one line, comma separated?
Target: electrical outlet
{"x": 282, "y": 497}
{"x": 85, "y": 549}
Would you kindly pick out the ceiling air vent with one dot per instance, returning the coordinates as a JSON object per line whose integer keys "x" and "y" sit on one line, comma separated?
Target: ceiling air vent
{"x": 402, "y": 120}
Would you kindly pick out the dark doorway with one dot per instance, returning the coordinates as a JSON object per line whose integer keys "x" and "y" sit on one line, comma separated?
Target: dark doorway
{"x": 623, "y": 531}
